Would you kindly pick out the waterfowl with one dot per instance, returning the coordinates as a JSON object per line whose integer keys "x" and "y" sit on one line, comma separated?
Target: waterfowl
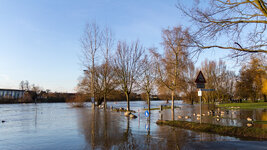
{"x": 186, "y": 117}
{"x": 133, "y": 116}
{"x": 249, "y": 125}
{"x": 249, "y": 119}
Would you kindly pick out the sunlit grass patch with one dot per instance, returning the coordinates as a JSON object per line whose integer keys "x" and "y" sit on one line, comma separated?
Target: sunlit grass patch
{"x": 244, "y": 105}
{"x": 260, "y": 122}
{"x": 248, "y": 132}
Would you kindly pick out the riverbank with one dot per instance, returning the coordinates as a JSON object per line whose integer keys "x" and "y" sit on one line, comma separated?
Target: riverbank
{"x": 163, "y": 107}
{"x": 245, "y": 132}
{"x": 247, "y": 105}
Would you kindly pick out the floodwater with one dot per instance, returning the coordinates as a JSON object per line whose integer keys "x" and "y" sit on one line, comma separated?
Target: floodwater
{"x": 58, "y": 126}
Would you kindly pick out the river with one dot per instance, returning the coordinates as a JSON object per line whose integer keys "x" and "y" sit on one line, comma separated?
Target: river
{"x": 59, "y": 126}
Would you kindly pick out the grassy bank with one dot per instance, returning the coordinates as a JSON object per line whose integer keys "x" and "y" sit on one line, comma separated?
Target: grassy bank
{"x": 244, "y": 105}
{"x": 163, "y": 107}
{"x": 218, "y": 129}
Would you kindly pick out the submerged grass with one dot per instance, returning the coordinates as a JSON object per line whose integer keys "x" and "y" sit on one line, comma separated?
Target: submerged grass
{"x": 248, "y": 132}
{"x": 260, "y": 122}
{"x": 244, "y": 105}
{"x": 122, "y": 110}
{"x": 163, "y": 107}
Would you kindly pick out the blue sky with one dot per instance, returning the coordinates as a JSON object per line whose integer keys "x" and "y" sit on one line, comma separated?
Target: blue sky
{"x": 39, "y": 39}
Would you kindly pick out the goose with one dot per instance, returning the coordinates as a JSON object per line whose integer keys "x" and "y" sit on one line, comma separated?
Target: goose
{"x": 249, "y": 119}
{"x": 186, "y": 117}
{"x": 249, "y": 125}
{"x": 133, "y": 116}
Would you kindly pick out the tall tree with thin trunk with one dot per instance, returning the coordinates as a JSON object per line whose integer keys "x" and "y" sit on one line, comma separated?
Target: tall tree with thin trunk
{"x": 148, "y": 78}
{"x": 108, "y": 72}
{"x": 127, "y": 66}
{"x": 172, "y": 65}
{"x": 91, "y": 44}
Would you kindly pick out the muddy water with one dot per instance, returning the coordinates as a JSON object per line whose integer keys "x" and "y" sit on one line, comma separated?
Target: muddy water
{"x": 58, "y": 126}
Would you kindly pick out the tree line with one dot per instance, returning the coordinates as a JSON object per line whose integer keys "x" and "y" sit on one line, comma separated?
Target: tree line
{"x": 128, "y": 67}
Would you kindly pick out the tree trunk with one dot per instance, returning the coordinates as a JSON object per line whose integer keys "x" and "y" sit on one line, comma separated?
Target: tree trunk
{"x": 128, "y": 101}
{"x": 265, "y": 98}
{"x": 105, "y": 102}
{"x": 148, "y": 102}
{"x": 172, "y": 100}
{"x": 192, "y": 100}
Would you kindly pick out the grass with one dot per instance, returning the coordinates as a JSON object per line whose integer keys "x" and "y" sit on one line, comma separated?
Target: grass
{"x": 260, "y": 122}
{"x": 163, "y": 107}
{"x": 122, "y": 110}
{"x": 247, "y": 132}
{"x": 248, "y": 105}
{"x": 152, "y": 109}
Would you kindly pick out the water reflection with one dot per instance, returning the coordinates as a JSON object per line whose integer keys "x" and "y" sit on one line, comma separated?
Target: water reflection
{"x": 58, "y": 126}
{"x": 100, "y": 128}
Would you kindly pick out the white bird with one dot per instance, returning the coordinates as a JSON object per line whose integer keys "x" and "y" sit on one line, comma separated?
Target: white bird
{"x": 203, "y": 114}
{"x": 249, "y": 119}
{"x": 218, "y": 119}
{"x": 194, "y": 114}
{"x": 180, "y": 117}
{"x": 198, "y": 115}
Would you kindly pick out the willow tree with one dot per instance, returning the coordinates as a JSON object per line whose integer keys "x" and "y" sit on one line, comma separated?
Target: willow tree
{"x": 127, "y": 66}
{"x": 238, "y": 25}
{"x": 173, "y": 64}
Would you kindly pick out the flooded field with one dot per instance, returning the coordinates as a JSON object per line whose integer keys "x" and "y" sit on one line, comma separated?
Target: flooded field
{"x": 58, "y": 126}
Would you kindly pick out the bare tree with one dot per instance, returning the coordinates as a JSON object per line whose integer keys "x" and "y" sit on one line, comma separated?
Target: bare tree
{"x": 91, "y": 44}
{"x": 147, "y": 79}
{"x": 172, "y": 65}
{"x": 108, "y": 73}
{"x": 27, "y": 85}
{"x": 127, "y": 65}
{"x": 21, "y": 85}
{"x": 190, "y": 90}
{"x": 238, "y": 25}
{"x": 220, "y": 79}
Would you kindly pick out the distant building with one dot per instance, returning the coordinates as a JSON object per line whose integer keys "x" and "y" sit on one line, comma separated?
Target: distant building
{"x": 11, "y": 94}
